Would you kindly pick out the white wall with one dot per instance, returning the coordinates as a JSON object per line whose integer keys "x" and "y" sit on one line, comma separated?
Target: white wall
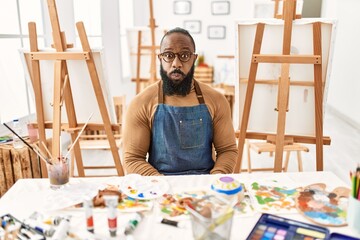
{"x": 200, "y": 10}
{"x": 344, "y": 89}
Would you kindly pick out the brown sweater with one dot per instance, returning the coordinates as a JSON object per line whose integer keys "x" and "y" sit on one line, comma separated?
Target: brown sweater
{"x": 139, "y": 120}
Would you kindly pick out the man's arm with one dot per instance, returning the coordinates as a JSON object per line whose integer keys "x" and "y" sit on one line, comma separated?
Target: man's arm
{"x": 224, "y": 137}
{"x": 137, "y": 133}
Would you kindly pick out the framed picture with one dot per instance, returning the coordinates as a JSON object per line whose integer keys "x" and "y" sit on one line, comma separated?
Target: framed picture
{"x": 193, "y": 26}
{"x": 182, "y": 7}
{"x": 220, "y": 7}
{"x": 216, "y": 32}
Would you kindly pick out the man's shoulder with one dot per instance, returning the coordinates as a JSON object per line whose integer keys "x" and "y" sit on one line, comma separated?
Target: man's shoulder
{"x": 149, "y": 94}
{"x": 208, "y": 89}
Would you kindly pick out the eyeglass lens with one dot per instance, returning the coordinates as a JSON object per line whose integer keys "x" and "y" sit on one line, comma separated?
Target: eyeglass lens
{"x": 170, "y": 56}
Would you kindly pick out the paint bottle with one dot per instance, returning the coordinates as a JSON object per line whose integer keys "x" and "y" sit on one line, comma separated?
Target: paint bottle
{"x": 88, "y": 207}
{"x": 17, "y": 143}
{"x": 111, "y": 202}
{"x": 228, "y": 188}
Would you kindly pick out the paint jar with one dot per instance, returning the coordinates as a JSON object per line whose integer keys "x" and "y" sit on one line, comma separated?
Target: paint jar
{"x": 353, "y": 214}
{"x": 111, "y": 203}
{"x": 58, "y": 173}
{"x": 211, "y": 218}
{"x": 229, "y": 188}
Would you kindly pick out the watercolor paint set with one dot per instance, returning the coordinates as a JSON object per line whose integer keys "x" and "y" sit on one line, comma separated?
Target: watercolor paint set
{"x": 274, "y": 227}
{"x": 279, "y": 228}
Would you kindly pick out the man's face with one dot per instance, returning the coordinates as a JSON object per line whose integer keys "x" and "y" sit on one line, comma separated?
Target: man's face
{"x": 177, "y": 70}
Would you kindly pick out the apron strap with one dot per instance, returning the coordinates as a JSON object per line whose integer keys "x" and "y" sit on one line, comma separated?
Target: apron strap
{"x": 160, "y": 94}
{"x": 198, "y": 92}
{"x": 199, "y": 95}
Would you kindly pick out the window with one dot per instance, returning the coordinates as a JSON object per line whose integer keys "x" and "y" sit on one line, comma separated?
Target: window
{"x": 89, "y": 13}
{"x": 14, "y": 89}
{"x": 126, "y": 21}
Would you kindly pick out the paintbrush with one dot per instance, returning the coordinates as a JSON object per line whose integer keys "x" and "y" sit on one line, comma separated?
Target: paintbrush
{"x": 38, "y": 153}
{"x": 78, "y": 136}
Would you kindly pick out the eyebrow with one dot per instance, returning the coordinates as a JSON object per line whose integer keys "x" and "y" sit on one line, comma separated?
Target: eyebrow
{"x": 181, "y": 50}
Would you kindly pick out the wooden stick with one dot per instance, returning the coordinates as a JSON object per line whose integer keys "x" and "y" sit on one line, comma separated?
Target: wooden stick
{"x": 47, "y": 150}
{"x": 38, "y": 153}
{"x": 78, "y": 136}
{"x": 42, "y": 153}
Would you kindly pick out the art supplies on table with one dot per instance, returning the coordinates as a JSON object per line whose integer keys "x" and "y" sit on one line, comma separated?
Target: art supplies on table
{"x": 338, "y": 236}
{"x": 355, "y": 183}
{"x": 273, "y": 197}
{"x": 13, "y": 228}
{"x": 353, "y": 216}
{"x": 323, "y": 207}
{"x": 275, "y": 227}
{"x": 139, "y": 187}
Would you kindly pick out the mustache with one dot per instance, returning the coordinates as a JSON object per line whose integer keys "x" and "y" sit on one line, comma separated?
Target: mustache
{"x": 178, "y": 71}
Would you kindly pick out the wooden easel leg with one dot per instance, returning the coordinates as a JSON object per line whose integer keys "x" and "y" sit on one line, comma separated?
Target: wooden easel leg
{"x": 36, "y": 81}
{"x": 300, "y": 166}
{"x": 287, "y": 159}
{"x": 283, "y": 96}
{"x": 318, "y": 98}
{"x": 56, "y": 148}
{"x": 249, "y": 94}
{"x": 248, "y": 156}
{"x": 138, "y": 61}
{"x": 100, "y": 98}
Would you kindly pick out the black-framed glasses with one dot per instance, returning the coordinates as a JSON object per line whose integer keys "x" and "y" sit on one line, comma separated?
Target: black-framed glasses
{"x": 170, "y": 56}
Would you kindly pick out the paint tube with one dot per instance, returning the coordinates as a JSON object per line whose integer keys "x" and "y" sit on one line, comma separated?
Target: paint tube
{"x": 88, "y": 207}
{"x": 170, "y": 222}
{"x": 111, "y": 202}
{"x": 53, "y": 220}
{"x": 62, "y": 230}
{"x": 133, "y": 222}
{"x": 45, "y": 229}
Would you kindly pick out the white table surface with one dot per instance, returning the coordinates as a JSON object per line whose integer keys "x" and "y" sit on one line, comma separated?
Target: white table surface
{"x": 29, "y": 195}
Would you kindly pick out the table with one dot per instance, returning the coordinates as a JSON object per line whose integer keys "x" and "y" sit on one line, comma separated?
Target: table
{"x": 29, "y": 195}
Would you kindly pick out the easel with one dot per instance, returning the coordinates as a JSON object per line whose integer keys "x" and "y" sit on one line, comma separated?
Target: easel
{"x": 62, "y": 92}
{"x": 276, "y": 10}
{"x": 285, "y": 59}
{"x": 138, "y": 80}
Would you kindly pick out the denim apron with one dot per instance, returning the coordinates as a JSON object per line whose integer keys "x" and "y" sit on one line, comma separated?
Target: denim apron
{"x": 181, "y": 138}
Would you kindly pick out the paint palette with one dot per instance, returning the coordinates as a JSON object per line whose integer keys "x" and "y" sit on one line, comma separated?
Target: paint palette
{"x": 322, "y": 207}
{"x": 140, "y": 187}
{"x": 279, "y": 228}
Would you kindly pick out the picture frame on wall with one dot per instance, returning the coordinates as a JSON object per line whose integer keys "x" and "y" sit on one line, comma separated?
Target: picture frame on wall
{"x": 193, "y": 26}
{"x": 182, "y": 7}
{"x": 220, "y": 7}
{"x": 216, "y": 32}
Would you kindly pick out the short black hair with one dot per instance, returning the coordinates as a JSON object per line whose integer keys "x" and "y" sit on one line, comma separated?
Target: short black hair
{"x": 179, "y": 30}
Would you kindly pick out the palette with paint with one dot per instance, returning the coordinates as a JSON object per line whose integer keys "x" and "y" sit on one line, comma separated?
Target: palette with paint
{"x": 323, "y": 207}
{"x": 140, "y": 187}
{"x": 274, "y": 227}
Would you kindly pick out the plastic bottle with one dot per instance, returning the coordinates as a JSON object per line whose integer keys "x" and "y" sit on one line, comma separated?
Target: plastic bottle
{"x": 17, "y": 143}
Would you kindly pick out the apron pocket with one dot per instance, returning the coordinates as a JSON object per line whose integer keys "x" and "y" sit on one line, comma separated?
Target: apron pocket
{"x": 191, "y": 133}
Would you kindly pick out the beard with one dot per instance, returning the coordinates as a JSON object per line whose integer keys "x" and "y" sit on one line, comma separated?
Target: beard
{"x": 172, "y": 87}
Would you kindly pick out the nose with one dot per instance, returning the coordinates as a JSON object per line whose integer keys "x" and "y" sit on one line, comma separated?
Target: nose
{"x": 176, "y": 63}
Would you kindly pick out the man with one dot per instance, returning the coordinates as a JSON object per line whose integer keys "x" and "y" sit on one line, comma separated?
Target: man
{"x": 177, "y": 121}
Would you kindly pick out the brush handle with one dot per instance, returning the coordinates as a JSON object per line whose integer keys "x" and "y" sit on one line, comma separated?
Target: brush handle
{"x": 27, "y": 144}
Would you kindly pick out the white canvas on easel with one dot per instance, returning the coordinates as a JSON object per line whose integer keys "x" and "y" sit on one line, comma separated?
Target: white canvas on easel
{"x": 300, "y": 117}
{"x": 84, "y": 97}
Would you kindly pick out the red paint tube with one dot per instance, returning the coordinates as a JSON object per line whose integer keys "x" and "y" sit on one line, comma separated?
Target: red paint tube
{"x": 88, "y": 207}
{"x": 111, "y": 202}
